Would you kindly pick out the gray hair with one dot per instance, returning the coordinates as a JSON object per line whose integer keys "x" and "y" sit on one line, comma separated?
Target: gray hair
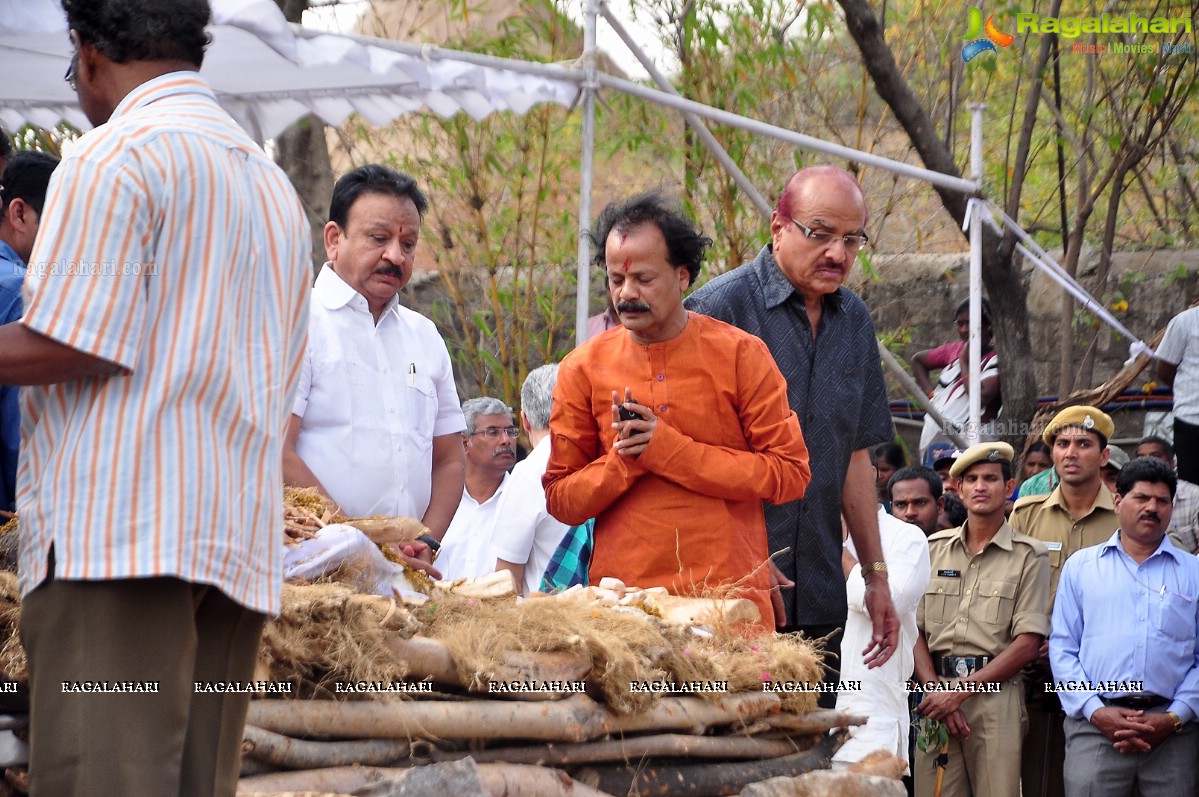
{"x": 536, "y": 395}
{"x": 484, "y": 405}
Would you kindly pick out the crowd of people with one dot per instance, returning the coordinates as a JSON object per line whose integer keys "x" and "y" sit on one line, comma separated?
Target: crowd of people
{"x": 180, "y": 366}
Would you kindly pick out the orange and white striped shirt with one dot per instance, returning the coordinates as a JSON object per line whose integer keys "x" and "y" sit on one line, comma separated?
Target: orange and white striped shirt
{"x": 172, "y": 246}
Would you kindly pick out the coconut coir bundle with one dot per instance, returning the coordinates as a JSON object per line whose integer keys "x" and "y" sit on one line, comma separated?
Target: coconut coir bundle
{"x": 625, "y": 647}
{"x": 327, "y": 633}
{"x": 12, "y": 656}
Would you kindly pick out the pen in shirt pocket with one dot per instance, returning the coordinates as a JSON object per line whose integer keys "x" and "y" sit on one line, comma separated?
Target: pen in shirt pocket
{"x": 411, "y": 373}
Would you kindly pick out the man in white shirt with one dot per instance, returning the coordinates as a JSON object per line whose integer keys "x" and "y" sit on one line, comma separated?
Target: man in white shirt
{"x": 883, "y": 695}
{"x": 526, "y": 534}
{"x": 490, "y": 443}
{"x": 376, "y": 422}
{"x": 1178, "y": 367}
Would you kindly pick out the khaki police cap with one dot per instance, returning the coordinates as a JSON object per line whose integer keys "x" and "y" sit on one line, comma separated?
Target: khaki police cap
{"x": 1090, "y": 418}
{"x": 981, "y": 452}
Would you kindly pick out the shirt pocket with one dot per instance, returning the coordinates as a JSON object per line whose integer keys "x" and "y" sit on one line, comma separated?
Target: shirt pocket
{"x": 941, "y": 600}
{"x": 997, "y": 602}
{"x": 421, "y": 395}
{"x": 1176, "y": 617}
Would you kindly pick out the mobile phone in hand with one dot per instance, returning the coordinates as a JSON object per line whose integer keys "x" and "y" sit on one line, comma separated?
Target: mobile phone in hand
{"x": 629, "y": 415}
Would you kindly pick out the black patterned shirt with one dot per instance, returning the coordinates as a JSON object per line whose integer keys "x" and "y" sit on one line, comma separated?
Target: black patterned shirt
{"x": 835, "y": 386}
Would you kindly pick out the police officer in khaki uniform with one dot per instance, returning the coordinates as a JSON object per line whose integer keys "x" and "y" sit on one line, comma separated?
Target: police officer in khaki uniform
{"x": 982, "y": 619}
{"x": 1078, "y": 513}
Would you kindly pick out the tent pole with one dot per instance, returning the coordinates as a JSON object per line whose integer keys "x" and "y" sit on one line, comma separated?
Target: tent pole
{"x": 583, "y": 289}
{"x": 969, "y": 187}
{"x": 974, "y": 430}
{"x": 696, "y": 124}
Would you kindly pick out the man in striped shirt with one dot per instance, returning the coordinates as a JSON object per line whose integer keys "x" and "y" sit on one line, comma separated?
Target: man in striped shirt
{"x": 166, "y": 309}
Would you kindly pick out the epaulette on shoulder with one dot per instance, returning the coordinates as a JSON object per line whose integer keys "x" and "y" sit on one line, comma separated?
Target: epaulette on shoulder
{"x": 1026, "y": 500}
{"x": 946, "y": 534}
{"x": 1037, "y": 545}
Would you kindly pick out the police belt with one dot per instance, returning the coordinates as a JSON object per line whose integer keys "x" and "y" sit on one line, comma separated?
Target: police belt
{"x": 1145, "y": 700}
{"x": 955, "y": 666}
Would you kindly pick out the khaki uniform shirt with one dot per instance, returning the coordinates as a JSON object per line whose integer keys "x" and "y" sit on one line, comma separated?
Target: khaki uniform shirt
{"x": 1046, "y": 518}
{"x": 976, "y": 605}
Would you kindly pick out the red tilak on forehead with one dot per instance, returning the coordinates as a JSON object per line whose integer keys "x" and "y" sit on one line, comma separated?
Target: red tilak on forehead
{"x": 624, "y": 236}
{"x": 628, "y": 261}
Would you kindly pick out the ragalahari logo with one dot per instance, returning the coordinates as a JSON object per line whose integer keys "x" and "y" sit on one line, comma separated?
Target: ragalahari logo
{"x": 976, "y": 42}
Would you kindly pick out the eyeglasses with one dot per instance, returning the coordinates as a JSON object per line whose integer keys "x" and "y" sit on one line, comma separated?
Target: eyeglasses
{"x": 70, "y": 76}
{"x": 492, "y": 432}
{"x": 852, "y": 243}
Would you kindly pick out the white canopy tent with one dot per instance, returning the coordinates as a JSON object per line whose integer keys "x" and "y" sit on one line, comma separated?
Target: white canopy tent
{"x": 268, "y": 73}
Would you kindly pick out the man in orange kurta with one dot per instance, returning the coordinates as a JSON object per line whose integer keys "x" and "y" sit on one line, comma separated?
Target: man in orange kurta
{"x": 676, "y": 492}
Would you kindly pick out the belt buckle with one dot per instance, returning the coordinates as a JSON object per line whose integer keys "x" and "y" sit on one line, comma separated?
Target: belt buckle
{"x": 964, "y": 665}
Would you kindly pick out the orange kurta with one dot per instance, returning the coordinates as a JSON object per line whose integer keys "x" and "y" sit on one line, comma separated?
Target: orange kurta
{"x": 687, "y": 512}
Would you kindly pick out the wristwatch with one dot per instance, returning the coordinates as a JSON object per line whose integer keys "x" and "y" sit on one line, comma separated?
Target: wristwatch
{"x": 1177, "y": 721}
{"x": 874, "y": 567}
{"x": 433, "y": 543}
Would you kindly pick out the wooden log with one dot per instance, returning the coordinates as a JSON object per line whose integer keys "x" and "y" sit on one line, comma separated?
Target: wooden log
{"x": 287, "y": 753}
{"x": 430, "y": 659}
{"x": 515, "y": 780}
{"x": 426, "y": 658}
{"x": 252, "y": 766}
{"x": 706, "y": 611}
{"x": 575, "y": 719}
{"x": 669, "y": 745}
{"x": 341, "y": 780}
{"x": 500, "y": 780}
{"x": 818, "y": 721}
{"x": 696, "y": 715}
{"x": 700, "y": 780}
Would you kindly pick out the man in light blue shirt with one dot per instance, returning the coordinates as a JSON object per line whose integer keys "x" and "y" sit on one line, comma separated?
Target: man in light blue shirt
{"x": 1123, "y": 650}
{"x": 22, "y": 194}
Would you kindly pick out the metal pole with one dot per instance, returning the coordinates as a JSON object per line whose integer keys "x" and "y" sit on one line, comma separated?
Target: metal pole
{"x": 918, "y": 394}
{"x": 696, "y": 124}
{"x": 583, "y": 273}
{"x": 807, "y": 142}
{"x": 974, "y": 429}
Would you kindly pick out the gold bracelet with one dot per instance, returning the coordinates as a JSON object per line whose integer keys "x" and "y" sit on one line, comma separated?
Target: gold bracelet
{"x": 874, "y": 567}
{"x": 1177, "y": 721}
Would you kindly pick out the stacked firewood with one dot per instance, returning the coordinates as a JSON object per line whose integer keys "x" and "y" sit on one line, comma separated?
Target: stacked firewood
{"x": 469, "y": 690}
{"x": 607, "y": 690}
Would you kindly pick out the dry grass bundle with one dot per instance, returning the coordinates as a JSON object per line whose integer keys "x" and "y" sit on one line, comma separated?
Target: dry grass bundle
{"x": 12, "y": 656}
{"x": 625, "y": 646}
{"x": 327, "y": 633}
{"x": 305, "y": 512}
{"x": 785, "y": 658}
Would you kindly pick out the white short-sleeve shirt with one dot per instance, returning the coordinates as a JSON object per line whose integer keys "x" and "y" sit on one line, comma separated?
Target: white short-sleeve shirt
{"x": 1180, "y": 347}
{"x": 526, "y": 533}
{"x": 372, "y": 398}
{"x": 466, "y": 550}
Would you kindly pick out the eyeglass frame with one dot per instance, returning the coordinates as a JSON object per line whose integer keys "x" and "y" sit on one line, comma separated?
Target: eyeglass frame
{"x": 493, "y": 432}
{"x": 852, "y": 243}
{"x": 72, "y": 74}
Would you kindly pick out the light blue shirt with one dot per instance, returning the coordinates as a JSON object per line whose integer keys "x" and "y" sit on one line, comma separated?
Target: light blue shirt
{"x": 12, "y": 274}
{"x": 1115, "y": 620}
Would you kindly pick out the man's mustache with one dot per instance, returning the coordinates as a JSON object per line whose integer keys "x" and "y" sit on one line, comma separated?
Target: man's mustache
{"x": 1156, "y": 518}
{"x": 632, "y": 307}
{"x": 391, "y": 271}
